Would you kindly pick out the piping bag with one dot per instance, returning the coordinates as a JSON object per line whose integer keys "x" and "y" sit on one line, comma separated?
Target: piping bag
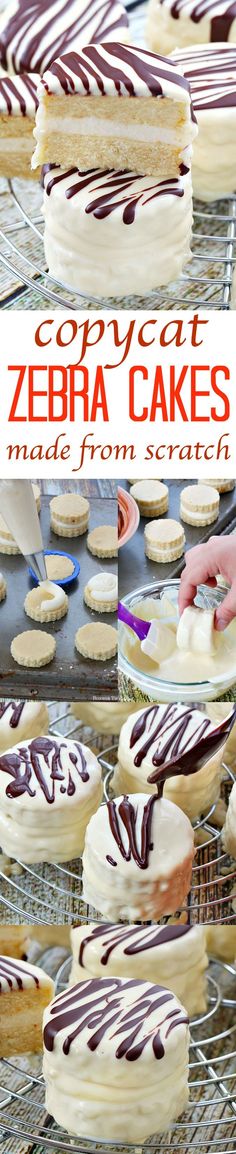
{"x": 18, "y": 507}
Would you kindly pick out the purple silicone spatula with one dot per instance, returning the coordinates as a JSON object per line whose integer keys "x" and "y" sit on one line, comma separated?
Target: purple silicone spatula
{"x": 154, "y": 635}
{"x": 194, "y": 758}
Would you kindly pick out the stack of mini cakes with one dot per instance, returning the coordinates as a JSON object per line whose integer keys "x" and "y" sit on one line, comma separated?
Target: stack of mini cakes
{"x": 123, "y": 225}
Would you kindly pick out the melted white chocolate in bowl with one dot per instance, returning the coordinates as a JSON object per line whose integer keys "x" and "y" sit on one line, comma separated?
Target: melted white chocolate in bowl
{"x": 181, "y": 666}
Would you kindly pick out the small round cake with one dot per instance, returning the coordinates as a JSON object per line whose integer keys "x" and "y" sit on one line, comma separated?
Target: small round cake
{"x": 179, "y": 23}
{"x": 49, "y": 788}
{"x": 101, "y": 592}
{"x": 137, "y": 861}
{"x": 20, "y": 720}
{"x": 211, "y": 72}
{"x": 69, "y": 515}
{"x": 164, "y": 540}
{"x": 229, "y": 830}
{"x": 174, "y": 954}
{"x": 113, "y": 233}
{"x": 152, "y": 497}
{"x": 152, "y": 737}
{"x": 116, "y": 1059}
{"x": 199, "y": 504}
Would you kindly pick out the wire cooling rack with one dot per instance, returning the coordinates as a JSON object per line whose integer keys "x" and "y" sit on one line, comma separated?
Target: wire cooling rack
{"x": 208, "y": 1123}
{"x": 46, "y": 893}
{"x": 205, "y": 283}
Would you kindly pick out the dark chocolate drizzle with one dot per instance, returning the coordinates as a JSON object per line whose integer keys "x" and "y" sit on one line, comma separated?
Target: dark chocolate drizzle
{"x": 99, "y": 1006}
{"x": 16, "y": 708}
{"x": 167, "y": 736}
{"x": 35, "y": 22}
{"x": 117, "y": 190}
{"x": 13, "y": 973}
{"x": 10, "y": 90}
{"x": 41, "y": 759}
{"x": 113, "y": 62}
{"x": 114, "y": 935}
{"x": 127, "y": 812}
{"x": 220, "y": 25}
{"x": 211, "y": 73}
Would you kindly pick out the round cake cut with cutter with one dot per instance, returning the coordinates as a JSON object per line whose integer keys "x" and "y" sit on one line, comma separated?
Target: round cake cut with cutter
{"x": 25, "y": 992}
{"x": 199, "y": 504}
{"x": 137, "y": 861}
{"x": 211, "y": 72}
{"x": 46, "y": 602}
{"x": 48, "y": 790}
{"x": 113, "y": 233}
{"x": 69, "y": 514}
{"x": 20, "y": 720}
{"x": 181, "y": 23}
{"x": 164, "y": 540}
{"x": 116, "y": 1059}
{"x": 152, "y": 497}
{"x": 101, "y": 593}
{"x": 221, "y": 485}
{"x": 97, "y": 641}
{"x": 174, "y": 954}
{"x": 152, "y": 737}
{"x": 33, "y": 648}
{"x": 103, "y": 541}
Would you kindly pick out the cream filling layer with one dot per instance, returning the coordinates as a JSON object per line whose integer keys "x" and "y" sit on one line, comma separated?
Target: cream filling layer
{"x": 103, "y": 587}
{"x": 92, "y": 126}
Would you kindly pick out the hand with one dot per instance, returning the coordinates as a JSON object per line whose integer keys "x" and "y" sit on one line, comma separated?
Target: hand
{"x": 203, "y": 564}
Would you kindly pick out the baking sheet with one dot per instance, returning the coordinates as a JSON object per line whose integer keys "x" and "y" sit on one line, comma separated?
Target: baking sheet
{"x": 136, "y": 569}
{"x": 69, "y": 675}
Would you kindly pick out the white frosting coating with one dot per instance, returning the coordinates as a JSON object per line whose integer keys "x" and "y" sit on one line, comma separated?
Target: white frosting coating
{"x": 211, "y": 72}
{"x": 17, "y": 975}
{"x": 20, "y": 720}
{"x": 103, "y": 586}
{"x": 179, "y": 728}
{"x": 107, "y": 69}
{"x": 32, "y": 36}
{"x": 18, "y": 97}
{"x": 229, "y": 830}
{"x": 48, "y": 790}
{"x": 196, "y": 631}
{"x": 118, "y": 888}
{"x": 175, "y": 955}
{"x": 92, "y": 1088}
{"x": 166, "y": 31}
{"x": 116, "y": 233}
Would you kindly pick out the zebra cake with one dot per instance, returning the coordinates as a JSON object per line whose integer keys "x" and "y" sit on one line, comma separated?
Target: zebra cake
{"x": 18, "y": 105}
{"x": 174, "y": 954}
{"x": 123, "y": 106}
{"x": 20, "y": 720}
{"x": 25, "y": 991}
{"x": 211, "y": 72}
{"x": 178, "y": 23}
{"x": 113, "y": 233}
{"x": 33, "y": 34}
{"x": 155, "y": 735}
{"x": 116, "y": 1059}
{"x": 138, "y": 856}
{"x": 48, "y": 790}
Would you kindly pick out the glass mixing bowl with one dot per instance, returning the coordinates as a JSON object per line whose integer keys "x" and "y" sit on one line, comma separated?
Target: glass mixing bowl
{"x": 139, "y": 686}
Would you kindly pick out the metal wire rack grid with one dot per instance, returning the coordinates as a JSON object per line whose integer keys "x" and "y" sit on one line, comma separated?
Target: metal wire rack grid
{"x": 208, "y": 1123}
{"x": 206, "y": 282}
{"x": 45, "y": 893}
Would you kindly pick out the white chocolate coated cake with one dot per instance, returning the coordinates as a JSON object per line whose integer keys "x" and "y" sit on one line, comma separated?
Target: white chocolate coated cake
{"x": 174, "y": 954}
{"x": 116, "y": 1059}
{"x": 49, "y": 788}
{"x": 155, "y": 735}
{"x": 179, "y": 23}
{"x": 137, "y": 861}
{"x": 20, "y": 720}
{"x": 112, "y": 233}
{"x": 25, "y": 990}
{"x": 229, "y": 830}
{"x": 18, "y": 104}
{"x": 122, "y": 106}
{"x": 33, "y": 34}
{"x": 211, "y": 72}
{"x": 104, "y": 716}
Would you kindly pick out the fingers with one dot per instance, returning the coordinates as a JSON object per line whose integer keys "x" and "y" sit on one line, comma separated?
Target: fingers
{"x": 227, "y": 610}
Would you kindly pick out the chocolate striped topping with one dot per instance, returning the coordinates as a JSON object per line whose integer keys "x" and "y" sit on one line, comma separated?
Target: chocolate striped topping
{"x": 166, "y": 733}
{"x": 40, "y": 30}
{"x": 123, "y": 825}
{"x": 39, "y": 763}
{"x": 220, "y": 14}
{"x": 15, "y": 709}
{"x": 110, "y": 191}
{"x": 116, "y": 69}
{"x": 18, "y": 95}
{"x": 134, "y": 939}
{"x": 211, "y": 73}
{"x": 100, "y": 1008}
{"x": 13, "y": 974}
